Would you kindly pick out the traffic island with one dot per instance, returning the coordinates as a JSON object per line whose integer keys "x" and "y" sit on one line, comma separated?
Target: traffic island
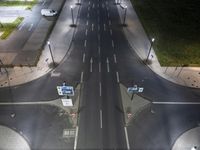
{"x": 132, "y": 104}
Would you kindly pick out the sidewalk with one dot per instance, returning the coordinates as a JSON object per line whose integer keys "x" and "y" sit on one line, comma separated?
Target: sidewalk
{"x": 60, "y": 43}
{"x": 185, "y": 76}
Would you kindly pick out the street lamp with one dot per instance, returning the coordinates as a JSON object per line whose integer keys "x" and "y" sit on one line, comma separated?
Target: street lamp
{"x": 152, "y": 41}
{"x": 125, "y": 10}
{"x": 49, "y": 45}
{"x": 72, "y": 14}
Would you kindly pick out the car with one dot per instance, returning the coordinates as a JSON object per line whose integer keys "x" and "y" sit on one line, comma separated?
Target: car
{"x": 48, "y": 12}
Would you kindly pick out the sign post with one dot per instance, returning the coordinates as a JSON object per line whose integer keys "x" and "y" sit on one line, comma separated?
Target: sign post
{"x": 135, "y": 89}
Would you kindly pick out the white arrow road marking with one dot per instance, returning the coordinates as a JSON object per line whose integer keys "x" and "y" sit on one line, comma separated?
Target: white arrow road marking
{"x": 109, "y": 22}
{"x": 108, "y": 68}
{"x": 117, "y": 74}
{"x": 100, "y": 89}
{"x": 115, "y": 58}
{"x": 99, "y": 66}
{"x": 113, "y": 44}
{"x": 84, "y": 58}
{"x": 91, "y": 61}
{"x": 82, "y": 77}
{"x": 110, "y": 31}
{"x": 85, "y": 43}
{"x": 92, "y": 27}
{"x": 55, "y": 74}
{"x": 43, "y": 2}
{"x": 101, "y": 124}
{"x": 99, "y": 50}
{"x": 104, "y": 26}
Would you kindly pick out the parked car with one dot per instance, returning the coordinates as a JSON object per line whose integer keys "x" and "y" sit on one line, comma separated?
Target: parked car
{"x": 48, "y": 12}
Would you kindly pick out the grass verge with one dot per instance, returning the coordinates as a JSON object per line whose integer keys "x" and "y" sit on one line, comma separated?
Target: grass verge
{"x": 175, "y": 26}
{"x": 8, "y": 28}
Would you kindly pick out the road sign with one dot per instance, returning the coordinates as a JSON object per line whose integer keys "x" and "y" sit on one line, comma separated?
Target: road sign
{"x": 65, "y": 90}
{"x": 135, "y": 89}
{"x": 140, "y": 89}
{"x": 67, "y": 102}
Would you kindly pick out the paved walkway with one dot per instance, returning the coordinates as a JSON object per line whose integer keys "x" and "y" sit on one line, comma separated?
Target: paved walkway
{"x": 60, "y": 42}
{"x": 193, "y": 140}
{"x": 11, "y": 140}
{"x": 186, "y": 76}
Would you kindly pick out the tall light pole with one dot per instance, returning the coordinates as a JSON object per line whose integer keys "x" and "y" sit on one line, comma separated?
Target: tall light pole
{"x": 152, "y": 40}
{"x": 72, "y": 14}
{"x": 125, "y": 10}
{"x": 49, "y": 45}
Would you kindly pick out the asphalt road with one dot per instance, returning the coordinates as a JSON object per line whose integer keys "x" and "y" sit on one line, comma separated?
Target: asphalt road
{"x": 41, "y": 125}
{"x": 101, "y": 58}
{"x": 160, "y": 129}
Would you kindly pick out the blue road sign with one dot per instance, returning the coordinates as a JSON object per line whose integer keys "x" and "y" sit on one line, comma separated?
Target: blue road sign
{"x": 65, "y": 90}
{"x": 135, "y": 89}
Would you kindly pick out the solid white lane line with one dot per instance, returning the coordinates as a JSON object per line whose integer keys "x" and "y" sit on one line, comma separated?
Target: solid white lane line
{"x": 85, "y": 43}
{"x": 82, "y": 77}
{"x": 108, "y": 68}
{"x": 113, "y": 44}
{"x": 92, "y": 27}
{"x": 127, "y": 140}
{"x": 87, "y": 23}
{"x": 101, "y": 124}
{"x": 117, "y": 74}
{"x": 115, "y": 58}
{"x": 99, "y": 66}
{"x": 91, "y": 61}
{"x": 76, "y": 138}
{"x": 86, "y": 31}
{"x": 100, "y": 89}
{"x": 30, "y": 27}
{"x": 84, "y": 58}
{"x": 110, "y": 31}
{"x": 104, "y": 26}
{"x": 177, "y": 103}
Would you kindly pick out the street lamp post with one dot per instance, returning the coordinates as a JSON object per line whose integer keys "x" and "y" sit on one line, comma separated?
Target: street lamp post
{"x": 152, "y": 41}
{"x": 72, "y": 14}
{"x": 124, "y": 22}
{"x": 49, "y": 45}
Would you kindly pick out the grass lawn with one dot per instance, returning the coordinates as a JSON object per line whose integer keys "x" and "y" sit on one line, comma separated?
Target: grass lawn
{"x": 18, "y": 3}
{"x": 175, "y": 24}
{"x": 8, "y": 28}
